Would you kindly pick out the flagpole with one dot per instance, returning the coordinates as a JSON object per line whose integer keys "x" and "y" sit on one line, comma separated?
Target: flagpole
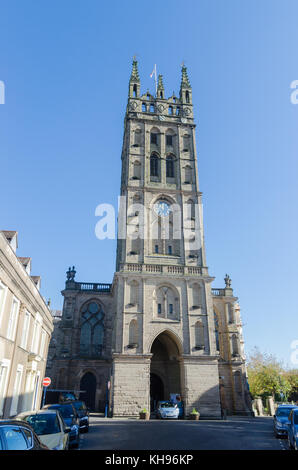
{"x": 155, "y": 82}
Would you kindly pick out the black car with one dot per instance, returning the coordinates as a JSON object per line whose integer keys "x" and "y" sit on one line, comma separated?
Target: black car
{"x": 71, "y": 418}
{"x": 18, "y": 435}
{"x": 83, "y": 413}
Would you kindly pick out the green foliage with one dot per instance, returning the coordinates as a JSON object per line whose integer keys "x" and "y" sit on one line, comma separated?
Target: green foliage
{"x": 267, "y": 377}
{"x": 194, "y": 412}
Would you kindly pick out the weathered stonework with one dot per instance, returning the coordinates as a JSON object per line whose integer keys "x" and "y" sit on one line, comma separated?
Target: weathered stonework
{"x": 166, "y": 331}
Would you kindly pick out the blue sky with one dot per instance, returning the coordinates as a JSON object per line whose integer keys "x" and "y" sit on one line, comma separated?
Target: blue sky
{"x": 66, "y": 67}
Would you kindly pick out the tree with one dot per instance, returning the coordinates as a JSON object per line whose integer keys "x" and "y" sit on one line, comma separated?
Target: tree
{"x": 267, "y": 377}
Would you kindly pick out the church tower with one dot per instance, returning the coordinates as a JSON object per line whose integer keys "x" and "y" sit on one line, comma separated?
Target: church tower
{"x": 164, "y": 332}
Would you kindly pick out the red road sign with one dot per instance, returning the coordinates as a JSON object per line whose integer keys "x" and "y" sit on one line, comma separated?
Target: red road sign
{"x": 46, "y": 381}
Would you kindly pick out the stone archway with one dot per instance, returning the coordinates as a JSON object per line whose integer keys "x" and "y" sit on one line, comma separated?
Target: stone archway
{"x": 165, "y": 368}
{"x": 88, "y": 384}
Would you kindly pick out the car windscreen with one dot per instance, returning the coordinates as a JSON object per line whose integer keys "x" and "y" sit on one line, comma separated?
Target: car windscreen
{"x": 79, "y": 405}
{"x": 44, "y": 423}
{"x": 65, "y": 410}
{"x": 167, "y": 405}
{"x": 283, "y": 412}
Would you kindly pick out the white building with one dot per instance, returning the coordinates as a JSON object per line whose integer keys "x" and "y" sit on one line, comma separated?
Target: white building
{"x": 25, "y": 331}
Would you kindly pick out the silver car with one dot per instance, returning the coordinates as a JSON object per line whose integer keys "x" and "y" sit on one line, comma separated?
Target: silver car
{"x": 167, "y": 409}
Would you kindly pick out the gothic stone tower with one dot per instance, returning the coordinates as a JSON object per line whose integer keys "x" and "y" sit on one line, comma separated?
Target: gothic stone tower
{"x": 159, "y": 330}
{"x": 165, "y": 342}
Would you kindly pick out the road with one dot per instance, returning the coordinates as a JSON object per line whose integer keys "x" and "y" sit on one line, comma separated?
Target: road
{"x": 235, "y": 433}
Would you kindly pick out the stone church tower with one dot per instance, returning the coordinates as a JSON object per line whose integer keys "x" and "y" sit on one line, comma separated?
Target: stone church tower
{"x": 159, "y": 330}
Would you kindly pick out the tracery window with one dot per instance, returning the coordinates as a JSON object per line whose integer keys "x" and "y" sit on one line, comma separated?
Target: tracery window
{"x": 92, "y": 329}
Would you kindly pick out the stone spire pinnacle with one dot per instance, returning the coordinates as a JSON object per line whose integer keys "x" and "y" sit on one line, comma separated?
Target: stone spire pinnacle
{"x": 160, "y": 88}
{"x": 184, "y": 79}
{"x": 135, "y": 78}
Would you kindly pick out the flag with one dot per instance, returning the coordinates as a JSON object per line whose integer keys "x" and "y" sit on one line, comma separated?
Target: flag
{"x": 153, "y": 72}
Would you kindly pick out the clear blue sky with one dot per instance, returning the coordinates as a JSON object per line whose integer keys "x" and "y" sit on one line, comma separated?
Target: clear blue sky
{"x": 66, "y": 66}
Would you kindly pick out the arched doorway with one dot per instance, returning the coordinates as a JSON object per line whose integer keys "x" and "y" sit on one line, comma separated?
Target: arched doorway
{"x": 156, "y": 390}
{"x": 165, "y": 369}
{"x": 88, "y": 384}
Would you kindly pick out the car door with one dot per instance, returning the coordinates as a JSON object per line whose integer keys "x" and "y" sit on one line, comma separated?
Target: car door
{"x": 290, "y": 428}
{"x": 14, "y": 438}
{"x": 63, "y": 427}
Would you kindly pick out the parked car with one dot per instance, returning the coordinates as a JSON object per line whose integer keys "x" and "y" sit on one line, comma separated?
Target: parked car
{"x": 83, "y": 413}
{"x": 293, "y": 429}
{"x": 281, "y": 420}
{"x": 49, "y": 426}
{"x": 167, "y": 409}
{"x": 71, "y": 419}
{"x": 18, "y": 435}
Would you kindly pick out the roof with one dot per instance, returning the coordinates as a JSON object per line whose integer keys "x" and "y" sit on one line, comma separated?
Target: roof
{"x": 35, "y": 412}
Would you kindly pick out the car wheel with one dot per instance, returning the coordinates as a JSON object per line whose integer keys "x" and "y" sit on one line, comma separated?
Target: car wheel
{"x": 289, "y": 443}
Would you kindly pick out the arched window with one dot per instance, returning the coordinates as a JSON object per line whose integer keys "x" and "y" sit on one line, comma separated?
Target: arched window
{"x": 177, "y": 111}
{"x": 231, "y": 316}
{"x": 133, "y": 333}
{"x": 196, "y": 293}
{"x": 92, "y": 329}
{"x": 237, "y": 382}
{"x": 151, "y": 108}
{"x": 144, "y": 107}
{"x": 170, "y": 110}
{"x": 133, "y": 293}
{"x": 135, "y": 90}
{"x": 199, "y": 335}
{"x": 136, "y": 170}
{"x": 188, "y": 174}
{"x": 166, "y": 303}
{"x": 187, "y": 96}
{"x": 235, "y": 348}
{"x": 154, "y": 165}
{"x": 170, "y": 166}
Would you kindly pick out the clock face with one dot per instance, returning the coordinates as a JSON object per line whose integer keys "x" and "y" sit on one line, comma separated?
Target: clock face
{"x": 162, "y": 208}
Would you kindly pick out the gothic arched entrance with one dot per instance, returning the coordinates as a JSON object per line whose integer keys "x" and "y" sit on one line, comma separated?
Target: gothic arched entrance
{"x": 165, "y": 369}
{"x": 88, "y": 384}
{"x": 156, "y": 390}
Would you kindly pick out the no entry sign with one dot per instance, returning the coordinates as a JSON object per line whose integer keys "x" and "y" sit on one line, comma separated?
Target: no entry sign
{"x": 46, "y": 381}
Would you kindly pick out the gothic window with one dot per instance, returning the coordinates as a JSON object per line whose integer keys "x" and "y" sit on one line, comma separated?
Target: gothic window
{"x": 187, "y": 96}
{"x": 170, "y": 166}
{"x": 167, "y": 302}
{"x": 199, "y": 335}
{"x": 153, "y": 138}
{"x": 151, "y": 108}
{"x": 170, "y": 110}
{"x": 169, "y": 140}
{"x": 92, "y": 329}
{"x": 135, "y": 90}
{"x": 144, "y": 107}
{"x": 154, "y": 165}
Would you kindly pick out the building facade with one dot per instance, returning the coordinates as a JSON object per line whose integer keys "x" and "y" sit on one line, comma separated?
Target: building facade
{"x": 25, "y": 329}
{"x": 159, "y": 331}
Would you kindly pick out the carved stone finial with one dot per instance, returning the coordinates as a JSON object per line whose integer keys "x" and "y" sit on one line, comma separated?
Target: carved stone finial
{"x": 228, "y": 281}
